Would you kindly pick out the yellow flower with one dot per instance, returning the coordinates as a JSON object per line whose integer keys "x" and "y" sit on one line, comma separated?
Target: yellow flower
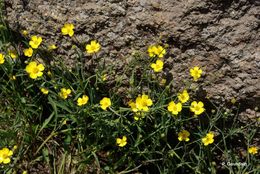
{"x": 143, "y": 102}
{"x": 5, "y": 155}
{"x": 67, "y": 29}
{"x": 13, "y": 77}
{"x": 183, "y": 136}
{"x": 152, "y": 50}
{"x": 35, "y": 42}
{"x": 12, "y": 54}
{"x": 133, "y": 106}
{"x": 137, "y": 115}
{"x": 28, "y": 52}
{"x": 15, "y": 147}
{"x": 163, "y": 82}
{"x": 44, "y": 91}
{"x": 104, "y": 77}
{"x": 64, "y": 122}
{"x": 253, "y": 150}
{"x": 195, "y": 73}
{"x": 121, "y": 142}
{"x": 174, "y": 108}
{"x": 64, "y": 93}
{"x": 49, "y": 73}
{"x": 158, "y": 66}
{"x": 233, "y": 101}
{"x": 184, "y": 96}
{"x": 34, "y": 70}
{"x": 83, "y": 100}
{"x": 93, "y": 47}
{"x": 208, "y": 139}
{"x": 52, "y": 47}
{"x": 197, "y": 107}
{"x": 105, "y": 103}
{"x": 24, "y": 32}
{"x": 160, "y": 51}
{"x": 2, "y": 58}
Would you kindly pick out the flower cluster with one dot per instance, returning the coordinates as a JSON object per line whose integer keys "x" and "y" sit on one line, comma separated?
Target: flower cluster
{"x": 140, "y": 106}
{"x": 156, "y": 50}
{"x": 35, "y": 42}
{"x": 175, "y": 108}
{"x": 141, "y": 103}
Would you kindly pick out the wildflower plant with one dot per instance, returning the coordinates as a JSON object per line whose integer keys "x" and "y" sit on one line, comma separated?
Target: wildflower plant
{"x": 74, "y": 118}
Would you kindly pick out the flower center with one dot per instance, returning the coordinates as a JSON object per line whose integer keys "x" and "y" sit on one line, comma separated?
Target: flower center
{"x": 174, "y": 108}
{"x": 196, "y": 73}
{"x": 143, "y": 103}
{"x": 197, "y": 108}
{"x": 4, "y": 155}
{"x": 93, "y": 47}
{"x": 35, "y": 70}
{"x": 182, "y": 97}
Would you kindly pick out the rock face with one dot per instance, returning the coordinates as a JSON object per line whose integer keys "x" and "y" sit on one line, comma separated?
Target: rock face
{"x": 221, "y": 36}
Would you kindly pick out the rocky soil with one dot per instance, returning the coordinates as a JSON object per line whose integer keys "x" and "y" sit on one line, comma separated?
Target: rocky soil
{"x": 221, "y": 36}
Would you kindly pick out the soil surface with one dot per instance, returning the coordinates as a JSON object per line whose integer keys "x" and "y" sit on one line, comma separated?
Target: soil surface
{"x": 221, "y": 36}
